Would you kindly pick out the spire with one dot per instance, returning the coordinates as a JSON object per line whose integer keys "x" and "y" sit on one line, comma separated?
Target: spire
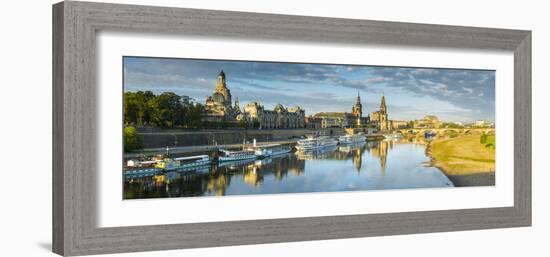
{"x": 222, "y": 74}
{"x": 383, "y": 108}
{"x": 357, "y": 109}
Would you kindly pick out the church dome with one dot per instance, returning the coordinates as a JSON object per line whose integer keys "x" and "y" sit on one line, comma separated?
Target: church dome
{"x": 279, "y": 107}
{"x": 218, "y": 98}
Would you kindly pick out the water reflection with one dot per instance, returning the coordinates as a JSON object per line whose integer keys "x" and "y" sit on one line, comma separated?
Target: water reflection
{"x": 383, "y": 164}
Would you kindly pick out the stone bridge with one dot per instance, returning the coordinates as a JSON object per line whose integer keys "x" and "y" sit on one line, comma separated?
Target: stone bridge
{"x": 443, "y": 131}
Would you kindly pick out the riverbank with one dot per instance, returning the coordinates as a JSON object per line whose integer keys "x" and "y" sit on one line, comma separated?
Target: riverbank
{"x": 182, "y": 138}
{"x": 465, "y": 160}
{"x": 195, "y": 150}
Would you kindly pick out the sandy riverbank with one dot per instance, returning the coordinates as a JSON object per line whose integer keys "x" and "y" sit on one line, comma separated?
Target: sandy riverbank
{"x": 465, "y": 160}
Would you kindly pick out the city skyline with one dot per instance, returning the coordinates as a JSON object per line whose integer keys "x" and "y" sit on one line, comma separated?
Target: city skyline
{"x": 411, "y": 93}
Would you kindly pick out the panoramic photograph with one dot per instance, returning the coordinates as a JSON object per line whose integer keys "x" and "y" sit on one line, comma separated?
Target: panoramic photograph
{"x": 198, "y": 127}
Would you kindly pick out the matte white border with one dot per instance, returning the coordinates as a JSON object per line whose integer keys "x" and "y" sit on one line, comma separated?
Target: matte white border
{"x": 115, "y": 212}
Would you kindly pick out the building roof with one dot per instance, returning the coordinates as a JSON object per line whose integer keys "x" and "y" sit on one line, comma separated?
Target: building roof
{"x": 333, "y": 115}
{"x": 279, "y": 107}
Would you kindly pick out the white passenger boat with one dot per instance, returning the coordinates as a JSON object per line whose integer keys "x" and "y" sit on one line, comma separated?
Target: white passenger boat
{"x": 352, "y": 139}
{"x": 269, "y": 150}
{"x": 315, "y": 143}
{"x": 183, "y": 162}
{"x": 226, "y": 155}
{"x": 137, "y": 163}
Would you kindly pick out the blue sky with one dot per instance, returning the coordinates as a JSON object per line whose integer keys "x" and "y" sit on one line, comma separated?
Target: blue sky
{"x": 411, "y": 93}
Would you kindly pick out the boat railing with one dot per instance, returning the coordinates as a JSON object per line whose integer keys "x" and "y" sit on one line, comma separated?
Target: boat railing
{"x": 198, "y": 157}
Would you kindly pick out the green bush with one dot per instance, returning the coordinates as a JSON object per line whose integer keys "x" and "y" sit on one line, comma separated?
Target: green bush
{"x": 488, "y": 140}
{"x": 132, "y": 141}
{"x": 483, "y": 139}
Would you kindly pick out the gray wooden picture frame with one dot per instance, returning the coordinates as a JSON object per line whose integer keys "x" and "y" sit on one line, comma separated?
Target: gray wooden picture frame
{"x": 75, "y": 25}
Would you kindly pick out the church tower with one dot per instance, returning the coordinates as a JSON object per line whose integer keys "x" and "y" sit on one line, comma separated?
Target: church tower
{"x": 357, "y": 110}
{"x": 383, "y": 108}
{"x": 221, "y": 87}
{"x": 384, "y": 122}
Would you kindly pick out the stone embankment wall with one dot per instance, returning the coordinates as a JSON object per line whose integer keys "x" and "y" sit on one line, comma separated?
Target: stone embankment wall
{"x": 163, "y": 138}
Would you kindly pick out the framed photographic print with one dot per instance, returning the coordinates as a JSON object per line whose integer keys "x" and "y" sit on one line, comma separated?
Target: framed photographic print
{"x": 246, "y": 128}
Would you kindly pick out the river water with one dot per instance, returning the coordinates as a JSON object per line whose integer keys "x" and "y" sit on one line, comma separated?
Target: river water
{"x": 386, "y": 164}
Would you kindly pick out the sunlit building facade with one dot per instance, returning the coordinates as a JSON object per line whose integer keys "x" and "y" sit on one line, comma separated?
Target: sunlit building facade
{"x": 380, "y": 118}
{"x": 219, "y": 107}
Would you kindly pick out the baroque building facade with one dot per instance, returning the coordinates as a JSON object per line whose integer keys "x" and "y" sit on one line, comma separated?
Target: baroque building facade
{"x": 399, "y": 124}
{"x": 429, "y": 121}
{"x": 219, "y": 107}
{"x": 279, "y": 117}
{"x": 341, "y": 119}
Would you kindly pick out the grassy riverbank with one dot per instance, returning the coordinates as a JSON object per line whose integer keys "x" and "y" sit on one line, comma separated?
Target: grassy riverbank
{"x": 465, "y": 160}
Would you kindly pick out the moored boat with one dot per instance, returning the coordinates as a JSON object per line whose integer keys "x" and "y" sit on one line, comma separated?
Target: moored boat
{"x": 263, "y": 151}
{"x": 183, "y": 162}
{"x": 315, "y": 143}
{"x": 140, "y": 173}
{"x": 352, "y": 139}
{"x": 138, "y": 163}
{"x": 227, "y": 155}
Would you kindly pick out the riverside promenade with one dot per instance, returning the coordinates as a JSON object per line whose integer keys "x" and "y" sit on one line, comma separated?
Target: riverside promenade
{"x": 183, "y": 150}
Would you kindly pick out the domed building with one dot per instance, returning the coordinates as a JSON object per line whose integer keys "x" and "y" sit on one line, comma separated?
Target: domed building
{"x": 219, "y": 104}
{"x": 219, "y": 107}
{"x": 218, "y": 98}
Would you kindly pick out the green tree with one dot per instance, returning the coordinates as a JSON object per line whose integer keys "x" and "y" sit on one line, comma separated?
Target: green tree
{"x": 132, "y": 141}
{"x": 137, "y": 107}
{"x": 194, "y": 115}
{"x": 166, "y": 109}
{"x": 143, "y": 101}
{"x": 242, "y": 123}
{"x": 130, "y": 108}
